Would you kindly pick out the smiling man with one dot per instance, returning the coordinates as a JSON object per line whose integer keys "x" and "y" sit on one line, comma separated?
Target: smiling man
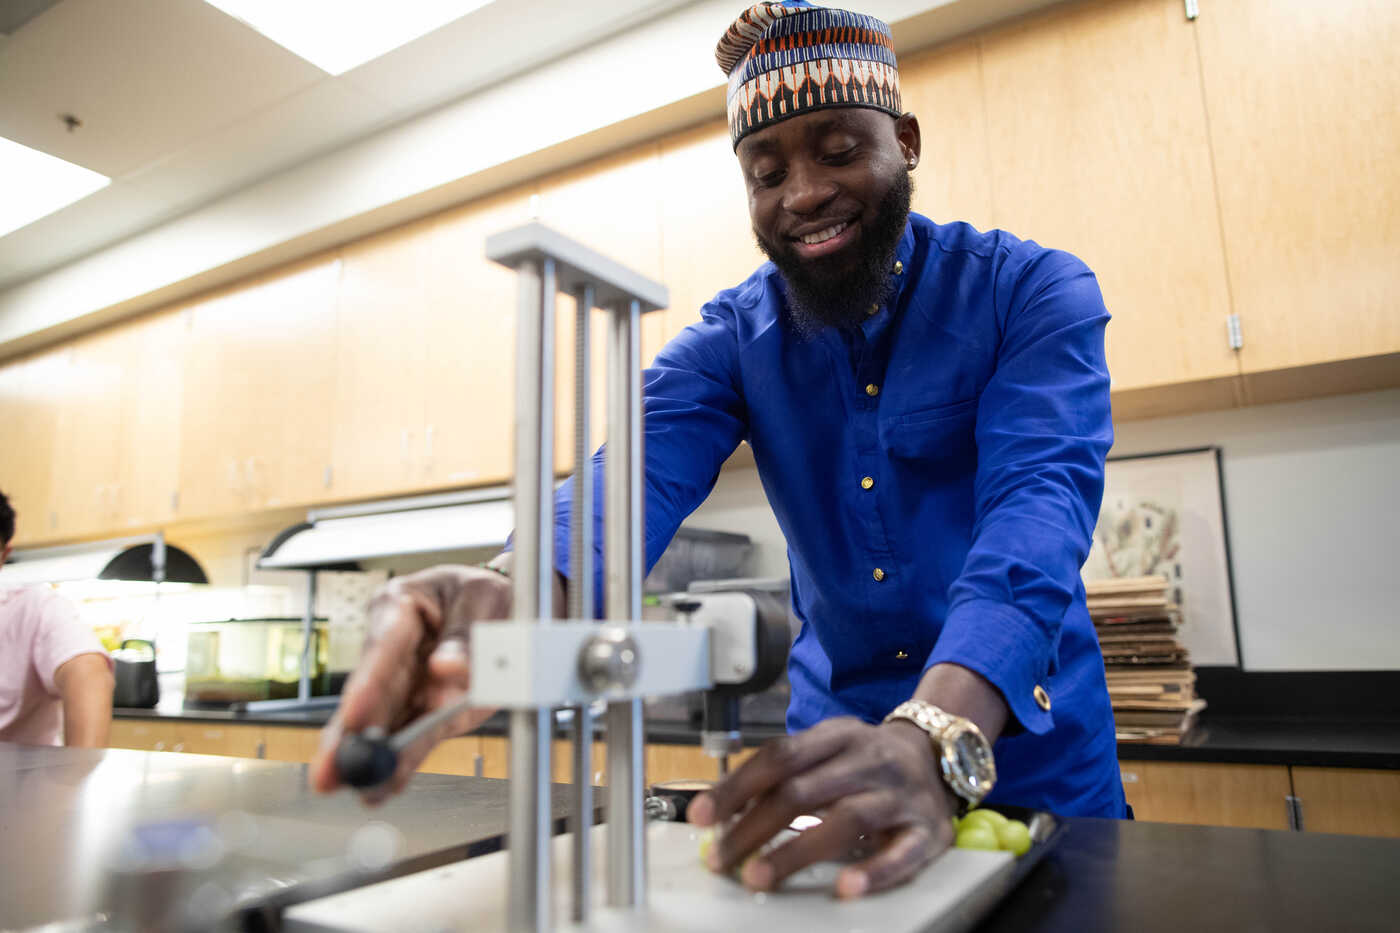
{"x": 928, "y": 408}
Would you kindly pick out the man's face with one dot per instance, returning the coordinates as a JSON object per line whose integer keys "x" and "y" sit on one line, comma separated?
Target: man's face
{"x": 829, "y": 197}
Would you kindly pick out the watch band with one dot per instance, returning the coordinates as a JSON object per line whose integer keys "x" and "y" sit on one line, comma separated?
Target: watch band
{"x": 938, "y": 723}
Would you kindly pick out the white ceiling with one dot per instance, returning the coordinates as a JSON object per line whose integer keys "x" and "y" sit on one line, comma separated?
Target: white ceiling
{"x": 181, "y": 104}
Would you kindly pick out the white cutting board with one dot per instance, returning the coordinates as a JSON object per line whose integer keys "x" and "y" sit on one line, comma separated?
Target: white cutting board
{"x": 949, "y": 895}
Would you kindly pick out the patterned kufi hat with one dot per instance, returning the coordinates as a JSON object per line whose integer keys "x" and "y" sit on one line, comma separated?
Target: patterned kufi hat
{"x": 785, "y": 59}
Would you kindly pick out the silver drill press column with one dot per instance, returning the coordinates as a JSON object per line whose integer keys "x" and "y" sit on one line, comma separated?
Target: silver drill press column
{"x": 530, "y": 729}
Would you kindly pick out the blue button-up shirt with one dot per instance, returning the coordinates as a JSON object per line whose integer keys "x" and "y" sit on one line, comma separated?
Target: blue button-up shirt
{"x": 936, "y": 471}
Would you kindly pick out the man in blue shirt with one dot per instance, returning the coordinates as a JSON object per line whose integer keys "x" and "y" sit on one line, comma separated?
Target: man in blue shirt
{"x": 928, "y": 408}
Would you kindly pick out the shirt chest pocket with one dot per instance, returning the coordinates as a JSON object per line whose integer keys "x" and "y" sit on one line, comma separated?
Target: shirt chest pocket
{"x": 942, "y": 433}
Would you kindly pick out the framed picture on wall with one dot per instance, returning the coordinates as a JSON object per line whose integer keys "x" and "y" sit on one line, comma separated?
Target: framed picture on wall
{"x": 1164, "y": 514}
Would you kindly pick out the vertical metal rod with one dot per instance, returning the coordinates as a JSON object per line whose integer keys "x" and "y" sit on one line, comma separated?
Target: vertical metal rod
{"x": 581, "y": 599}
{"x": 529, "y": 897}
{"x": 308, "y": 634}
{"x": 626, "y": 824}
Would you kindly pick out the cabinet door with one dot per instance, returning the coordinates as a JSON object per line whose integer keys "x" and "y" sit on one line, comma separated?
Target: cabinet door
{"x": 468, "y": 335}
{"x": 1303, "y": 100}
{"x": 943, "y": 88}
{"x": 453, "y": 756}
{"x": 1208, "y": 794}
{"x": 686, "y": 763}
{"x": 28, "y": 412}
{"x": 257, "y": 392}
{"x": 380, "y": 388}
{"x": 290, "y": 743}
{"x": 1352, "y": 801}
{"x": 237, "y": 741}
{"x": 1098, "y": 146}
{"x": 88, "y": 435}
{"x": 147, "y": 735}
{"x": 152, "y": 401}
{"x": 708, "y": 244}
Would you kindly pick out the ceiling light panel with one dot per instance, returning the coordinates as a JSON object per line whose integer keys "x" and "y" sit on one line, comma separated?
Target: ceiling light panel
{"x": 337, "y": 35}
{"x": 34, "y": 184}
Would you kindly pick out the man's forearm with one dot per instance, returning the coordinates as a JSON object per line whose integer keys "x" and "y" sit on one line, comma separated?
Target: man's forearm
{"x": 85, "y": 684}
{"x": 957, "y": 690}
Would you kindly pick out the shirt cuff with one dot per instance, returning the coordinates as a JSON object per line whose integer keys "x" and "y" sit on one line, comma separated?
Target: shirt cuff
{"x": 1008, "y": 648}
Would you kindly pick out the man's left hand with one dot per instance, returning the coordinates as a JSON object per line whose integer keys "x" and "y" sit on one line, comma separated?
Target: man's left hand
{"x": 876, "y": 788}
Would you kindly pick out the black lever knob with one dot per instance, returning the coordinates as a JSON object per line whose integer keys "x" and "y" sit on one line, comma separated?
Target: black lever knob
{"x": 366, "y": 759}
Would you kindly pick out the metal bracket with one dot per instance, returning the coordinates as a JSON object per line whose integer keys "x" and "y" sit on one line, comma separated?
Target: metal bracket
{"x": 527, "y": 665}
{"x": 1233, "y": 332}
{"x": 1193, "y": 9}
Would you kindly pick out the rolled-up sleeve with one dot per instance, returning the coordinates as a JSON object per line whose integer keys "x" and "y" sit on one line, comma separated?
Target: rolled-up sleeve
{"x": 1043, "y": 430}
{"x": 694, "y": 418}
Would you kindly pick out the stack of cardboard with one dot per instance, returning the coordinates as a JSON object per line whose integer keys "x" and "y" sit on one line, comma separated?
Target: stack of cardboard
{"x": 1150, "y": 681}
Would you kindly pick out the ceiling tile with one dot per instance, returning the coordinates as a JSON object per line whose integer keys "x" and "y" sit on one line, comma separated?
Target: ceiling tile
{"x": 146, "y": 77}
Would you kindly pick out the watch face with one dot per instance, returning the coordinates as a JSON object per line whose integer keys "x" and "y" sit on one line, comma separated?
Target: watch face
{"x": 968, "y": 759}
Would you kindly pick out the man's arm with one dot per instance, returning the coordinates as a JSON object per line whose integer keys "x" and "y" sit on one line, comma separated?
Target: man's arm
{"x": 1043, "y": 430}
{"x": 85, "y": 685}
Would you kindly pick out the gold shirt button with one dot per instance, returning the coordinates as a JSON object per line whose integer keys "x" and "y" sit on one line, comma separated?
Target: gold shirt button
{"x": 870, "y": 312}
{"x": 872, "y": 390}
{"x": 898, "y": 267}
{"x": 1042, "y": 698}
{"x": 878, "y": 574}
{"x": 867, "y": 482}
{"x": 901, "y": 655}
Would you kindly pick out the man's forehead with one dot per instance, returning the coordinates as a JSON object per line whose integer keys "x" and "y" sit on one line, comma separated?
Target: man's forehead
{"x": 809, "y": 127}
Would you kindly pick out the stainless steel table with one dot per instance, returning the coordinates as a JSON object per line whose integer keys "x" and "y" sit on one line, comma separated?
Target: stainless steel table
{"x": 61, "y": 809}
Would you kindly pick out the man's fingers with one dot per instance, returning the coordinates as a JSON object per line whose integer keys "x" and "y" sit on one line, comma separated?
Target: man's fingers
{"x": 909, "y": 850}
{"x": 805, "y": 793}
{"x": 833, "y": 838}
{"x": 379, "y": 689}
{"x": 774, "y": 763}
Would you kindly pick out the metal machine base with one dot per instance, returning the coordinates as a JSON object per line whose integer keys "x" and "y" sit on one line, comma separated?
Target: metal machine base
{"x": 950, "y": 896}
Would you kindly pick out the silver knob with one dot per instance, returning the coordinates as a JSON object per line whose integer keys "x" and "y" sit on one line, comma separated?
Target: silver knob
{"x": 609, "y": 660}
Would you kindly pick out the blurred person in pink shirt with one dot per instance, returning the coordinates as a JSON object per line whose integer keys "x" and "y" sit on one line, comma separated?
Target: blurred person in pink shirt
{"x": 55, "y": 679}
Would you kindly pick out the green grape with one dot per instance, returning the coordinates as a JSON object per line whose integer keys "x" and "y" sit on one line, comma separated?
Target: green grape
{"x": 977, "y": 837}
{"x": 989, "y": 818}
{"x": 1014, "y": 837}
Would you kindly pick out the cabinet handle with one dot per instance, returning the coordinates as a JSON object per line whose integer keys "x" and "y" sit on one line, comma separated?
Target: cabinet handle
{"x": 478, "y": 765}
{"x": 1129, "y": 777}
{"x": 1193, "y": 9}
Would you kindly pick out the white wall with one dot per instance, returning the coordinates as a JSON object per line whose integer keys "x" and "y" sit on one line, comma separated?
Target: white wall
{"x": 1312, "y": 495}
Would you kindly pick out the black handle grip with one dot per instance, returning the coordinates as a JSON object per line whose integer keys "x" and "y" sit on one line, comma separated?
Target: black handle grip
{"x": 366, "y": 759}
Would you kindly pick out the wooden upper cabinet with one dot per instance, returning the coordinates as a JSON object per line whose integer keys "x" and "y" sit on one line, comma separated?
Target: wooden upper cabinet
{"x": 709, "y": 244}
{"x": 943, "y": 88}
{"x": 468, "y": 336}
{"x": 1097, "y": 141}
{"x": 379, "y": 407}
{"x": 28, "y": 410}
{"x": 1303, "y": 100}
{"x": 258, "y": 387}
{"x": 87, "y": 383}
{"x": 152, "y": 406}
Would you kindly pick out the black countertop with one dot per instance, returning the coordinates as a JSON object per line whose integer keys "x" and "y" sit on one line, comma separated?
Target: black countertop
{"x": 1149, "y": 877}
{"x": 1321, "y": 742}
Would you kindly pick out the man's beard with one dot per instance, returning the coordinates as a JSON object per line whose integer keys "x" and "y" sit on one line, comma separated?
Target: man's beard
{"x": 822, "y": 295}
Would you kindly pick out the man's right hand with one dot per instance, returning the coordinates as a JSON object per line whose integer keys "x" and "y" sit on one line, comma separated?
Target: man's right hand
{"x": 415, "y": 661}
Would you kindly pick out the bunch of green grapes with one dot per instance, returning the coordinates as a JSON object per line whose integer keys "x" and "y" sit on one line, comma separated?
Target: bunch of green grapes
{"x": 988, "y": 829}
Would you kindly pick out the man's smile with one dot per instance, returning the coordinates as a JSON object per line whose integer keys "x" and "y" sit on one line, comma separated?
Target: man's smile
{"x": 825, "y": 241}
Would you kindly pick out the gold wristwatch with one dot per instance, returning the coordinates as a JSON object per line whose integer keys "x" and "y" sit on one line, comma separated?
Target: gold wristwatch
{"x": 963, "y": 752}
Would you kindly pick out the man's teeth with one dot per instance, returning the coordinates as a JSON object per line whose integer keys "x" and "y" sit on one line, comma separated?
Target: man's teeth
{"x": 812, "y": 239}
